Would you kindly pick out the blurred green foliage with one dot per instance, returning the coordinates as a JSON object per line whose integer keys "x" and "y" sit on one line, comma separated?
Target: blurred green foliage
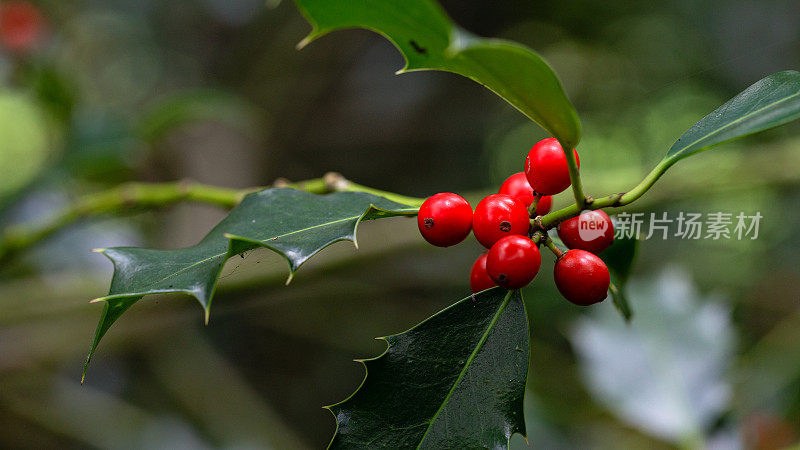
{"x": 215, "y": 91}
{"x": 26, "y": 141}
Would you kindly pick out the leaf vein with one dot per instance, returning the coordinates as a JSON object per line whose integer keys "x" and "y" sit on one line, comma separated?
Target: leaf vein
{"x": 263, "y": 241}
{"x": 730, "y": 124}
{"x": 467, "y": 364}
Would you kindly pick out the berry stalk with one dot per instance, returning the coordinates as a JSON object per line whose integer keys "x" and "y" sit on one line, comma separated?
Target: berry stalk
{"x": 610, "y": 201}
{"x": 574, "y": 176}
{"x": 553, "y": 247}
{"x": 534, "y": 204}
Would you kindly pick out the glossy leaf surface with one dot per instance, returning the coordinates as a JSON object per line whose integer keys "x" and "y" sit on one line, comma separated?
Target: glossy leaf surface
{"x": 770, "y": 102}
{"x": 293, "y": 223}
{"x": 429, "y": 40}
{"x": 456, "y": 380}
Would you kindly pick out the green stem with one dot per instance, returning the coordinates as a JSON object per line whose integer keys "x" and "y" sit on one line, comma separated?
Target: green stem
{"x": 154, "y": 195}
{"x": 647, "y": 182}
{"x": 120, "y": 198}
{"x": 553, "y": 248}
{"x": 410, "y": 201}
{"x": 610, "y": 201}
{"x": 574, "y": 176}
{"x": 338, "y": 183}
{"x": 534, "y": 204}
{"x": 127, "y": 197}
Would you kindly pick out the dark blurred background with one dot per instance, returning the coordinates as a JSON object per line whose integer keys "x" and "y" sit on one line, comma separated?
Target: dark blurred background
{"x": 214, "y": 90}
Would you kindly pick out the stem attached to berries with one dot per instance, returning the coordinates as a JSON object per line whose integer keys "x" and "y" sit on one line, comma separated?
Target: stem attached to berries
{"x": 534, "y": 204}
{"x": 574, "y": 176}
{"x": 553, "y": 248}
{"x": 609, "y": 201}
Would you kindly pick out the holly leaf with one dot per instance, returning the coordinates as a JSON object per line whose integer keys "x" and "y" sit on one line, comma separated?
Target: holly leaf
{"x": 620, "y": 299}
{"x": 294, "y": 224}
{"x": 619, "y": 258}
{"x": 429, "y": 40}
{"x": 770, "y": 102}
{"x": 456, "y": 380}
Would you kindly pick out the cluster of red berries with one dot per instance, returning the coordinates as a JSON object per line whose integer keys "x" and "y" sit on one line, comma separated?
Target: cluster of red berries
{"x": 502, "y": 223}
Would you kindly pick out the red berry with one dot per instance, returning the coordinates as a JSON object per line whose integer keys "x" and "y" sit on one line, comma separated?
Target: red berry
{"x": 513, "y": 261}
{"x": 546, "y": 167}
{"x": 582, "y": 277}
{"x": 479, "y": 279}
{"x": 21, "y": 25}
{"x": 445, "y": 219}
{"x": 497, "y": 216}
{"x": 592, "y": 231}
{"x": 518, "y": 187}
{"x": 544, "y": 205}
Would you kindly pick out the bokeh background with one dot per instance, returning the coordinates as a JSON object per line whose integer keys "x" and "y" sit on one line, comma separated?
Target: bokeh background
{"x": 105, "y": 92}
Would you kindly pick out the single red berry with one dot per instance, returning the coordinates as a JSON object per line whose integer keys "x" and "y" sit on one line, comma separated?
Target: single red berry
{"x": 582, "y": 277}
{"x": 21, "y": 25}
{"x": 546, "y": 167}
{"x": 513, "y": 261}
{"x": 445, "y": 219}
{"x": 544, "y": 205}
{"x": 592, "y": 231}
{"x": 497, "y": 216}
{"x": 518, "y": 187}
{"x": 479, "y": 279}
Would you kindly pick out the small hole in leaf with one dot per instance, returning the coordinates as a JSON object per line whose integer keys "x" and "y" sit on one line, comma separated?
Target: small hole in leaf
{"x": 417, "y": 47}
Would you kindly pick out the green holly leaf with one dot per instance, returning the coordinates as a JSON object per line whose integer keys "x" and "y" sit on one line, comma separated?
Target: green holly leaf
{"x": 619, "y": 258}
{"x": 456, "y": 380}
{"x": 770, "y": 102}
{"x": 295, "y": 224}
{"x": 429, "y": 40}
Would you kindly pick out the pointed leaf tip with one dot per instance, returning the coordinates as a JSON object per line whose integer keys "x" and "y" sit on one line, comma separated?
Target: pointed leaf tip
{"x": 293, "y": 223}
{"x": 303, "y": 43}
{"x": 767, "y": 103}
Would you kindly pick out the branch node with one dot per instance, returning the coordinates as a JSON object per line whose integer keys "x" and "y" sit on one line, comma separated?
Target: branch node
{"x": 128, "y": 196}
{"x": 185, "y": 187}
{"x": 617, "y": 202}
{"x": 336, "y": 182}
{"x": 281, "y": 182}
{"x": 537, "y": 224}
